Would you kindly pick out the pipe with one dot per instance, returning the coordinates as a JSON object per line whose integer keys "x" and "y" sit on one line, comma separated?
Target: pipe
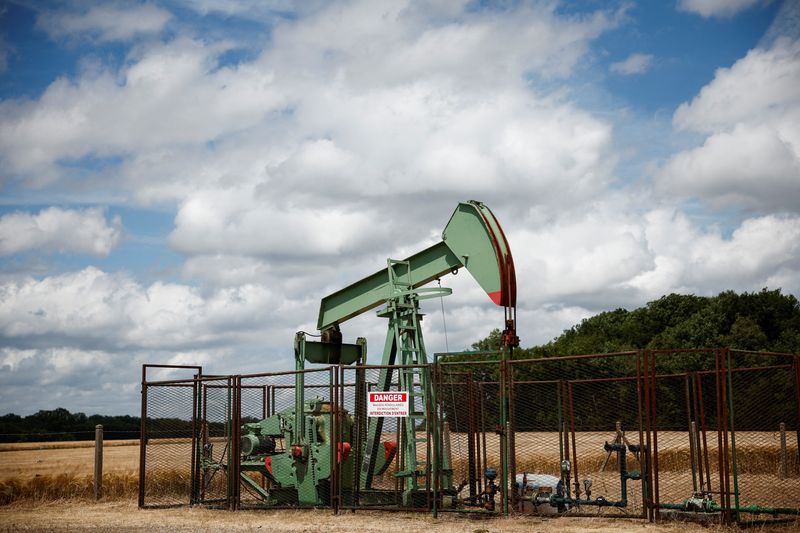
{"x": 299, "y": 386}
{"x": 713, "y": 507}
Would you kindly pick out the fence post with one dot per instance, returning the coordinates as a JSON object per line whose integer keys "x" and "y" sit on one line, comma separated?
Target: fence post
{"x": 98, "y": 461}
{"x": 784, "y": 457}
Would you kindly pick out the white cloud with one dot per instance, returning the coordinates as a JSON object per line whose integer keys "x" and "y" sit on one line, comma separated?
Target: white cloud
{"x": 62, "y": 230}
{"x": 94, "y": 309}
{"x": 751, "y": 114}
{"x": 748, "y": 167}
{"x": 173, "y": 94}
{"x": 715, "y": 8}
{"x": 634, "y": 64}
{"x": 107, "y": 22}
{"x": 609, "y": 257}
{"x": 760, "y": 86}
{"x": 88, "y": 381}
{"x": 247, "y": 8}
{"x": 690, "y": 259}
{"x": 331, "y": 77}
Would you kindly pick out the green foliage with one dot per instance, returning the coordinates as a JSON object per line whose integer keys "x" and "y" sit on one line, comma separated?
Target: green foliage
{"x": 763, "y": 321}
{"x": 490, "y": 343}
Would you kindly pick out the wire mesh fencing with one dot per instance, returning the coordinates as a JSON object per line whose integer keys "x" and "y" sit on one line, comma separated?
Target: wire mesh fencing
{"x": 166, "y": 461}
{"x": 653, "y": 434}
{"x": 578, "y": 435}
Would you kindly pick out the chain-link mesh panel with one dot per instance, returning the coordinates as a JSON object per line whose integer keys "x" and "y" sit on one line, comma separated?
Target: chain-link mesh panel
{"x": 607, "y": 444}
{"x": 215, "y": 429}
{"x": 167, "y": 441}
{"x": 765, "y": 429}
{"x": 577, "y": 438}
{"x": 459, "y": 398}
{"x": 685, "y": 434}
{"x": 470, "y": 407}
{"x": 390, "y": 461}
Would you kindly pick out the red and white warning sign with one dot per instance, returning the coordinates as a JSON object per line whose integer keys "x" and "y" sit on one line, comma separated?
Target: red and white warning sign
{"x": 392, "y": 404}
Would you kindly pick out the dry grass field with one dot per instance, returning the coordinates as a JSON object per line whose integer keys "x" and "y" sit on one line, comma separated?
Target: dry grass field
{"x": 48, "y": 486}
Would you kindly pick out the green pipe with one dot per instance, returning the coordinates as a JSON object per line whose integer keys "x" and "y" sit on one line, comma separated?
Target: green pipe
{"x": 623, "y": 474}
{"x": 299, "y": 388}
{"x": 598, "y": 502}
{"x": 733, "y": 437}
{"x": 714, "y": 507}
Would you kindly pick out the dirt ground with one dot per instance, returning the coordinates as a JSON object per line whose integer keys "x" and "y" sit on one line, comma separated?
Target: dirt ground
{"x": 125, "y": 516}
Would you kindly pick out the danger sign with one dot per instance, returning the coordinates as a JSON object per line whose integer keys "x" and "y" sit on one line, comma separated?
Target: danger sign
{"x": 393, "y": 404}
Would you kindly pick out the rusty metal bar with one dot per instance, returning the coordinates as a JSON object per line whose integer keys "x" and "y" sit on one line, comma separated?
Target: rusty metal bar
{"x": 574, "y": 445}
{"x": 143, "y": 437}
{"x": 702, "y": 410}
{"x": 653, "y": 407}
{"x": 643, "y": 450}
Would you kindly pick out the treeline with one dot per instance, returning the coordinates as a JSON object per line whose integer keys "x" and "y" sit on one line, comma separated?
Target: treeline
{"x": 763, "y": 321}
{"x": 60, "y": 424}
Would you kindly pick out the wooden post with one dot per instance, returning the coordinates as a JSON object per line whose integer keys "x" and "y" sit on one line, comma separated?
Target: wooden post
{"x": 98, "y": 461}
{"x": 784, "y": 457}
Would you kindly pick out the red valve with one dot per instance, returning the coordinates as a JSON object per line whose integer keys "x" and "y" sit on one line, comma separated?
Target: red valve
{"x": 344, "y": 452}
{"x": 389, "y": 449}
{"x": 297, "y": 452}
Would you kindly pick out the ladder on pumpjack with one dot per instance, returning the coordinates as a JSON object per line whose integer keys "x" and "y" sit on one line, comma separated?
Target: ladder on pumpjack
{"x": 413, "y": 374}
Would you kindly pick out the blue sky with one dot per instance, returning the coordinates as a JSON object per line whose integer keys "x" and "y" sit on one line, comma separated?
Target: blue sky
{"x": 182, "y": 182}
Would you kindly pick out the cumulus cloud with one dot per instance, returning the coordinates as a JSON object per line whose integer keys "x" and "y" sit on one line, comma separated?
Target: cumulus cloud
{"x": 319, "y": 81}
{"x": 106, "y": 22}
{"x": 98, "y": 310}
{"x": 88, "y": 381}
{"x": 750, "y": 167}
{"x": 634, "y": 64}
{"x": 704, "y": 261}
{"x": 609, "y": 257}
{"x": 750, "y": 113}
{"x": 715, "y": 8}
{"x": 61, "y": 230}
{"x": 760, "y": 86}
{"x": 174, "y": 94}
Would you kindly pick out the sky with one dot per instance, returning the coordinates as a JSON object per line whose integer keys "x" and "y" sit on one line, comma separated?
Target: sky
{"x": 181, "y": 182}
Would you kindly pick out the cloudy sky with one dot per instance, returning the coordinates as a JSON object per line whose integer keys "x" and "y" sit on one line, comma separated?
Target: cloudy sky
{"x": 183, "y": 181}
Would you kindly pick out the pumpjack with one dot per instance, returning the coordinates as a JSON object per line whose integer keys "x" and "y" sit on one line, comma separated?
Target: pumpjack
{"x": 292, "y": 449}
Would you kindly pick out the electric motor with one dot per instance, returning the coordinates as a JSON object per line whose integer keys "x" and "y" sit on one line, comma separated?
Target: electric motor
{"x": 256, "y": 444}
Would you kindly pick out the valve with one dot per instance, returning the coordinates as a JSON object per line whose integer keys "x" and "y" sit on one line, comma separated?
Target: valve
{"x": 491, "y": 489}
{"x": 587, "y": 488}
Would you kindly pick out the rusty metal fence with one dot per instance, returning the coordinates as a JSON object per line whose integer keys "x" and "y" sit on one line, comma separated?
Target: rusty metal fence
{"x": 651, "y": 434}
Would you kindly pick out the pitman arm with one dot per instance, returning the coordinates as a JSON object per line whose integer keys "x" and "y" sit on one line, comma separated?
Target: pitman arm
{"x": 472, "y": 239}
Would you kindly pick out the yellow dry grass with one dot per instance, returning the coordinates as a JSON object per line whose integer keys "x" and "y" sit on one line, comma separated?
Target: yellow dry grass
{"x": 47, "y": 471}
